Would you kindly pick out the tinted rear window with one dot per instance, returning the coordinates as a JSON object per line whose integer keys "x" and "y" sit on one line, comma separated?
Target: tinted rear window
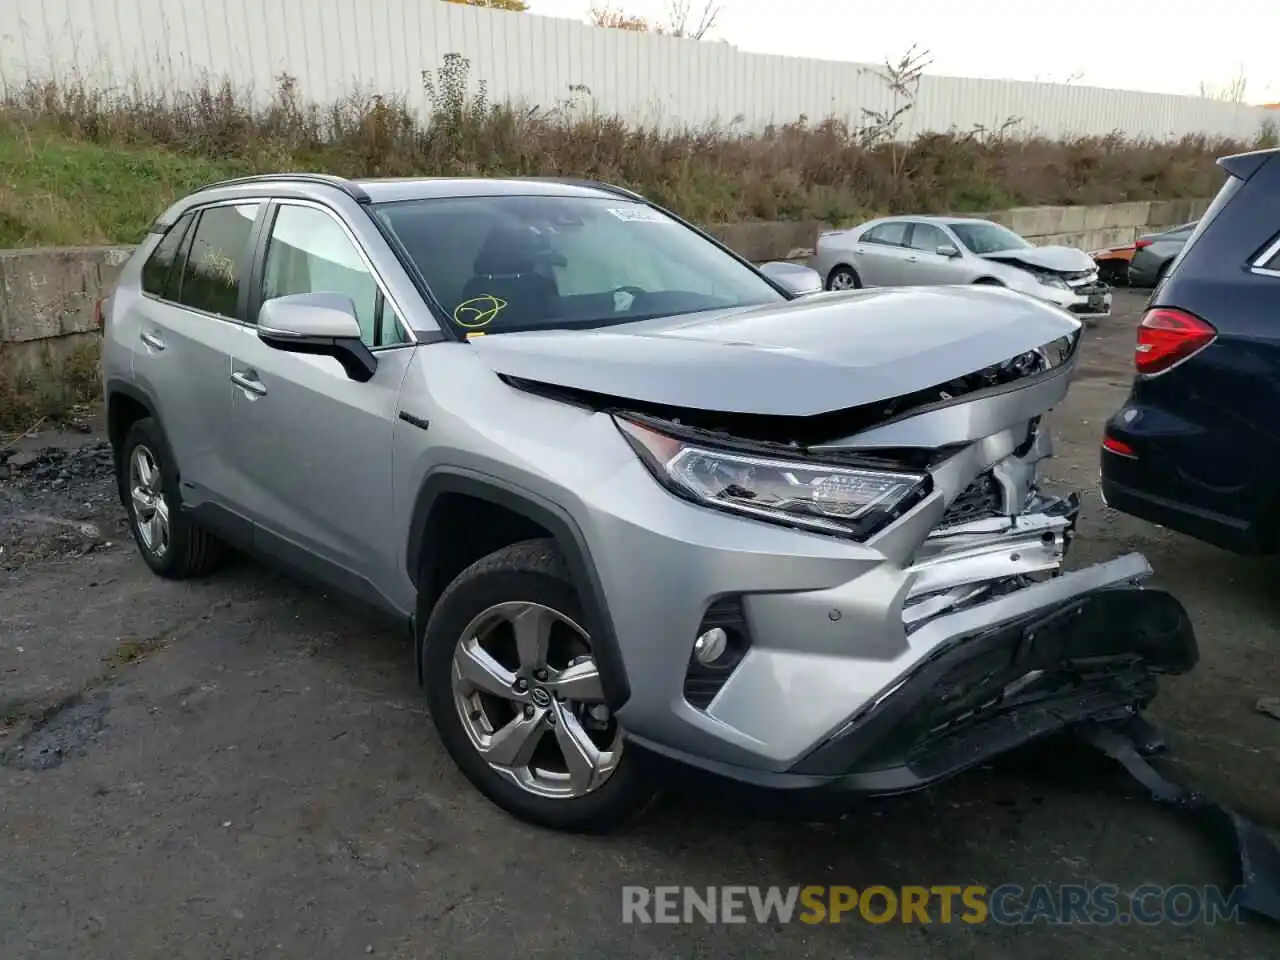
{"x": 1224, "y": 196}
{"x": 217, "y": 259}
{"x": 159, "y": 276}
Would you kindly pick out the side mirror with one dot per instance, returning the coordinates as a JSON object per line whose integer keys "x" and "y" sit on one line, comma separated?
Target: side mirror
{"x": 797, "y": 279}
{"x": 323, "y": 324}
{"x": 947, "y": 250}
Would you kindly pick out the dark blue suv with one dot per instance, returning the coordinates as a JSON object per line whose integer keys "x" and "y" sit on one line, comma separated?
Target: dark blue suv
{"x": 1196, "y": 447}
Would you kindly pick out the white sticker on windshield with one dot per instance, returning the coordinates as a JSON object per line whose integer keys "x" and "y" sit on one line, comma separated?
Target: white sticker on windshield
{"x": 638, "y": 213}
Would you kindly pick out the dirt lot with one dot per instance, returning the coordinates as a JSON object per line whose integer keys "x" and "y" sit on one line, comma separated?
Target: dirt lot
{"x": 241, "y": 767}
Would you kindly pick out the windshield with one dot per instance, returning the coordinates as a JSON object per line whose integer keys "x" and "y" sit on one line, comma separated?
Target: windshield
{"x": 988, "y": 237}
{"x": 502, "y": 264}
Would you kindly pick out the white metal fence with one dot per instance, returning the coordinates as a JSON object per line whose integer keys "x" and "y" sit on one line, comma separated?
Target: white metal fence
{"x": 333, "y": 46}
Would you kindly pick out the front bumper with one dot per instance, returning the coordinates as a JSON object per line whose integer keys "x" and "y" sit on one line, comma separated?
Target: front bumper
{"x": 1087, "y": 301}
{"x": 988, "y": 690}
{"x": 833, "y": 627}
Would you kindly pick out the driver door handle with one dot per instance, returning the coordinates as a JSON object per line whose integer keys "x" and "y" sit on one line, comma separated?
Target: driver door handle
{"x": 246, "y": 381}
{"x": 151, "y": 340}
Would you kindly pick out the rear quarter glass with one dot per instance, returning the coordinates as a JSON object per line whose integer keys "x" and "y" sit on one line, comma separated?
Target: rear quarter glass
{"x": 1229, "y": 190}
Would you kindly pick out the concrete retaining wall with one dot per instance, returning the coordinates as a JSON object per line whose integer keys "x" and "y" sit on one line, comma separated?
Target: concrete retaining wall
{"x": 47, "y": 299}
{"x": 47, "y": 296}
{"x": 1094, "y": 228}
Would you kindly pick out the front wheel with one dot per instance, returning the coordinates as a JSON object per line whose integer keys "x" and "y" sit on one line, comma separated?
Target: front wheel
{"x": 843, "y": 278}
{"x": 515, "y": 694}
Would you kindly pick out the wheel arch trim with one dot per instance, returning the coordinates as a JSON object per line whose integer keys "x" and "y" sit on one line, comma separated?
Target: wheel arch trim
{"x": 563, "y": 529}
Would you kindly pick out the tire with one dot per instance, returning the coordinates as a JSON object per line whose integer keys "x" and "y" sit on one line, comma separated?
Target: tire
{"x": 183, "y": 550}
{"x": 529, "y": 577}
{"x": 844, "y": 278}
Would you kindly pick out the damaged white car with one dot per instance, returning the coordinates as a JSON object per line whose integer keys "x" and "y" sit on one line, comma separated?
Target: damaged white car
{"x": 926, "y": 251}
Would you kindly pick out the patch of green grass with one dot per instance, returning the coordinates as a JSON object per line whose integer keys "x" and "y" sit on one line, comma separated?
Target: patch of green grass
{"x": 56, "y": 191}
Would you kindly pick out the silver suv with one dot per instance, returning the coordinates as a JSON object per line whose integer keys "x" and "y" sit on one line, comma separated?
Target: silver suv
{"x": 637, "y": 499}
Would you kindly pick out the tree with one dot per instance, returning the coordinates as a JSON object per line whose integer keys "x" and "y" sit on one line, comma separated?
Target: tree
{"x": 617, "y": 20}
{"x": 515, "y": 6}
{"x": 679, "y": 21}
{"x": 679, "y": 24}
{"x": 1232, "y": 92}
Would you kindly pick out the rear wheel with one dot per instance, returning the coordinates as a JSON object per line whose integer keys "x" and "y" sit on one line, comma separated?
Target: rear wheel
{"x": 844, "y": 278}
{"x": 169, "y": 541}
{"x": 515, "y": 694}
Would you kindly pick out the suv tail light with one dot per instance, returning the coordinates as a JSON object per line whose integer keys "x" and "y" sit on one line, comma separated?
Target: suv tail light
{"x": 1139, "y": 244}
{"x": 1167, "y": 336}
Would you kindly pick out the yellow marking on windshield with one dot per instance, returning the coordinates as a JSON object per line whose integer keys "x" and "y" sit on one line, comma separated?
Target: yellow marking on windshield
{"x": 478, "y": 311}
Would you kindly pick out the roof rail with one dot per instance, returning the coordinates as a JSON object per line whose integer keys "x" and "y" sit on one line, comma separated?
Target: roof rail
{"x": 593, "y": 184}
{"x": 323, "y": 179}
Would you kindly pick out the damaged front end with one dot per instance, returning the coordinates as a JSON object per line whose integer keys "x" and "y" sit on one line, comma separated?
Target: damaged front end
{"x": 1001, "y": 646}
{"x": 916, "y": 619}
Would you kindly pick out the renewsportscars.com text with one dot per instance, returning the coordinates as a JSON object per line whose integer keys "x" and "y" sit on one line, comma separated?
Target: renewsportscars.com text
{"x": 1008, "y": 904}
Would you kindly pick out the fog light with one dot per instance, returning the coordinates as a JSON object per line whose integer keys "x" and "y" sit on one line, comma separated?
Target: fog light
{"x": 710, "y": 646}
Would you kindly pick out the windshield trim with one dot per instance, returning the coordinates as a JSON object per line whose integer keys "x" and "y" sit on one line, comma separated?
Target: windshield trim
{"x": 453, "y": 332}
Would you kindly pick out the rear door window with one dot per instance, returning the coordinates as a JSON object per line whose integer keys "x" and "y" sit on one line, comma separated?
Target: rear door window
{"x": 888, "y": 234}
{"x": 219, "y": 259}
{"x": 161, "y": 270}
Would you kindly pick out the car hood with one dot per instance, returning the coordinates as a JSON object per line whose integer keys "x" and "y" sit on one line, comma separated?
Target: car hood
{"x": 799, "y": 358}
{"x": 1057, "y": 259}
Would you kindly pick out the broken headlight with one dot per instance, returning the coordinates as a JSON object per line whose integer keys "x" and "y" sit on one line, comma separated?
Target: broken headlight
{"x": 1052, "y": 280}
{"x": 815, "y": 496}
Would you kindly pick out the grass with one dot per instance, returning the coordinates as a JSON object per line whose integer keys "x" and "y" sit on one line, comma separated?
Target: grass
{"x": 80, "y": 166}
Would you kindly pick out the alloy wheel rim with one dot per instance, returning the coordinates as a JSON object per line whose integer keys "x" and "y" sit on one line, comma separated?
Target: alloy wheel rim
{"x": 842, "y": 280}
{"x": 529, "y": 696}
{"x": 150, "y": 510}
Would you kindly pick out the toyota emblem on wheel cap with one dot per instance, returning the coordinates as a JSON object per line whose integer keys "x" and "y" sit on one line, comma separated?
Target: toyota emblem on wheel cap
{"x": 540, "y": 697}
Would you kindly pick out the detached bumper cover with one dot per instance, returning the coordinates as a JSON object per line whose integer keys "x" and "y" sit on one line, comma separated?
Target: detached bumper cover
{"x": 1095, "y": 657}
{"x": 1092, "y": 658}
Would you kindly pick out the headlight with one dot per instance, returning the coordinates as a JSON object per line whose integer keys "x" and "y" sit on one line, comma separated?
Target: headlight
{"x": 815, "y": 496}
{"x": 1049, "y": 280}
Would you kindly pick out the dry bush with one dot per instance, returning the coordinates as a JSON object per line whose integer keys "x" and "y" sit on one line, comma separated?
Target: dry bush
{"x": 831, "y": 171}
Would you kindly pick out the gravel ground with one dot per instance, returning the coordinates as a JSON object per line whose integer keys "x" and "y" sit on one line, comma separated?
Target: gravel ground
{"x": 241, "y": 767}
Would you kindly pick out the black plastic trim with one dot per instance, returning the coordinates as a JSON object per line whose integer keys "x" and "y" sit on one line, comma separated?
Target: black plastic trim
{"x": 568, "y": 536}
{"x": 357, "y": 360}
{"x": 281, "y": 553}
{"x": 420, "y": 422}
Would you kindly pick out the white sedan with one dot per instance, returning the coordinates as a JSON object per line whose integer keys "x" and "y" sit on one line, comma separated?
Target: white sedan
{"x": 918, "y": 251}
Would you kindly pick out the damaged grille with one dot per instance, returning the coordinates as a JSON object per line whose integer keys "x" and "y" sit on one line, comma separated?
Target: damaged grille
{"x": 980, "y": 500}
{"x": 1090, "y": 289}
